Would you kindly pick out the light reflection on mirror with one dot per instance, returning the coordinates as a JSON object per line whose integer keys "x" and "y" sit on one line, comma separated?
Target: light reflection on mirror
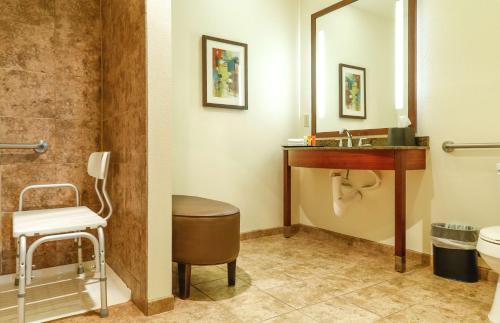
{"x": 321, "y": 75}
{"x": 399, "y": 55}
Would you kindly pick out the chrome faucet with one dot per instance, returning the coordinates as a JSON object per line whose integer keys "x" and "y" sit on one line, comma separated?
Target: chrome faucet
{"x": 349, "y": 136}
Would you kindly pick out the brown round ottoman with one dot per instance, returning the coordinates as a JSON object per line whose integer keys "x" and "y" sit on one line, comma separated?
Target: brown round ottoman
{"x": 204, "y": 232}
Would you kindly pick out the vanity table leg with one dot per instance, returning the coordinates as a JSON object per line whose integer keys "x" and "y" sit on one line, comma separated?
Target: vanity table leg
{"x": 400, "y": 211}
{"x": 287, "y": 196}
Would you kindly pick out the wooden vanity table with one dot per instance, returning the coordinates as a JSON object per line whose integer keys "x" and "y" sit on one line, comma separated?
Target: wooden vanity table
{"x": 396, "y": 158}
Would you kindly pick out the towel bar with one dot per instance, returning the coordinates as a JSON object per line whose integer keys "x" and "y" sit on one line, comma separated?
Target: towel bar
{"x": 449, "y": 146}
{"x": 39, "y": 147}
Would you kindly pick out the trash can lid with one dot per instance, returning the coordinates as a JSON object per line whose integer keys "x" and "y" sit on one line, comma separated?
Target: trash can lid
{"x": 490, "y": 234}
{"x": 457, "y": 232}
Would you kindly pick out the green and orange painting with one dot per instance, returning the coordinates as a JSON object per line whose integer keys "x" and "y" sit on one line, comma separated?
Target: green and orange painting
{"x": 225, "y": 73}
{"x": 352, "y": 91}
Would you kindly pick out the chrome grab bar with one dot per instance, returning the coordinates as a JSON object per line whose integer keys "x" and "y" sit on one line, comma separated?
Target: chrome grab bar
{"x": 39, "y": 147}
{"x": 449, "y": 146}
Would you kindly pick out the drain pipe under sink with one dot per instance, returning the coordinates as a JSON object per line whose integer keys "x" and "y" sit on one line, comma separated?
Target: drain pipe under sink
{"x": 344, "y": 194}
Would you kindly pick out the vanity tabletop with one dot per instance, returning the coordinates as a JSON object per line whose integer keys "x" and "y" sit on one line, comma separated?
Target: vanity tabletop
{"x": 355, "y": 148}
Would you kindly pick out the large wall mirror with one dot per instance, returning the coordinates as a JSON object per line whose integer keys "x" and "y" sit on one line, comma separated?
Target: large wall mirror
{"x": 363, "y": 66}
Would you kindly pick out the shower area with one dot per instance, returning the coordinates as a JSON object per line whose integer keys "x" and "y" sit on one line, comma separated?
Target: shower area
{"x": 73, "y": 73}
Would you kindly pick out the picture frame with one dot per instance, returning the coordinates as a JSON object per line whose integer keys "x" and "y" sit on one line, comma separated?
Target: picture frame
{"x": 352, "y": 92}
{"x": 225, "y": 73}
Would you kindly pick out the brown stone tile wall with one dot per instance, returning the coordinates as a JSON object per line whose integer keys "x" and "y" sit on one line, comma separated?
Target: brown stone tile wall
{"x": 50, "y": 88}
{"x": 124, "y": 134}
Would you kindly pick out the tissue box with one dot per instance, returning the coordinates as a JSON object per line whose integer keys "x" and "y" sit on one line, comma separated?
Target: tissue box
{"x": 401, "y": 137}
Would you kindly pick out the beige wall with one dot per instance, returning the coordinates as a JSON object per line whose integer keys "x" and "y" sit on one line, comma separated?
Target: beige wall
{"x": 230, "y": 155}
{"x": 159, "y": 135}
{"x": 458, "y": 54}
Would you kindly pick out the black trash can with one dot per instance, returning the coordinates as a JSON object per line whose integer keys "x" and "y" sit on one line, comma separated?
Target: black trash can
{"x": 454, "y": 251}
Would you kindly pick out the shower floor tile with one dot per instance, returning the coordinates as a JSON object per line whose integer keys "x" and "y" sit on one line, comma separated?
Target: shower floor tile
{"x": 58, "y": 292}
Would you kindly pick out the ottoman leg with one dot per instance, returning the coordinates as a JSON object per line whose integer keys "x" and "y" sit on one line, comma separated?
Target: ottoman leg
{"x": 184, "y": 271}
{"x": 231, "y": 273}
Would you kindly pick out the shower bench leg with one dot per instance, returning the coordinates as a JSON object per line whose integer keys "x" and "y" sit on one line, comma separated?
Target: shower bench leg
{"x": 21, "y": 292}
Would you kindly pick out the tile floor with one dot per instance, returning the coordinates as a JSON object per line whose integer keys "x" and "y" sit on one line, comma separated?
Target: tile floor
{"x": 311, "y": 279}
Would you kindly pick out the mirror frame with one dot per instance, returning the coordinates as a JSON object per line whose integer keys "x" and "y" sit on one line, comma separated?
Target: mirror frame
{"x": 412, "y": 71}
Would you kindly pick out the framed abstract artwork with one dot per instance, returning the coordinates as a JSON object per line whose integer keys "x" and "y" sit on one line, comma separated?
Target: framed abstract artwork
{"x": 352, "y": 92}
{"x": 225, "y": 73}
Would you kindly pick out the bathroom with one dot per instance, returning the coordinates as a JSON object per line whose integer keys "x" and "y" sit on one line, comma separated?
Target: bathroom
{"x": 130, "y": 78}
